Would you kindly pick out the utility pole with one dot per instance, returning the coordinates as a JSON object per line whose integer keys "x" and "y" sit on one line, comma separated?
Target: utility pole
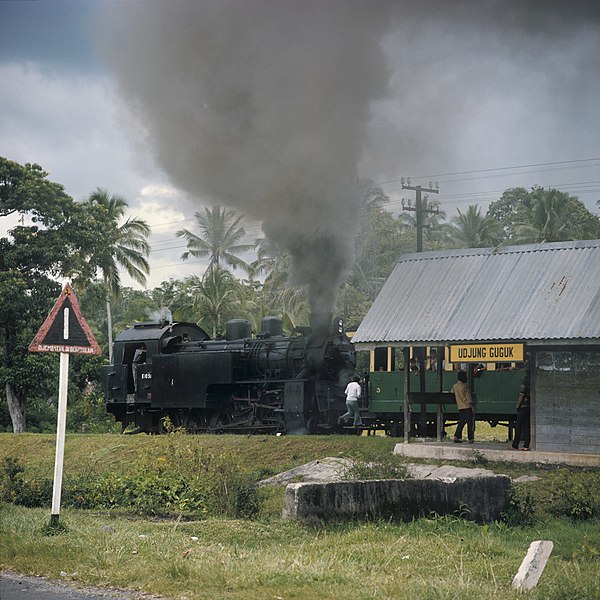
{"x": 420, "y": 207}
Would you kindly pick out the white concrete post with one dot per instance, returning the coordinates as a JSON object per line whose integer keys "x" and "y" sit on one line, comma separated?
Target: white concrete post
{"x": 533, "y": 565}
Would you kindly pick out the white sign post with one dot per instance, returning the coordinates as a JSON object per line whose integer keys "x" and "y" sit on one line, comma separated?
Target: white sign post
{"x": 64, "y": 331}
{"x": 61, "y": 427}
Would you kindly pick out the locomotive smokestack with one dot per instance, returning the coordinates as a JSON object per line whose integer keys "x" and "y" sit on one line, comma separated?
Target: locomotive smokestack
{"x": 320, "y": 322}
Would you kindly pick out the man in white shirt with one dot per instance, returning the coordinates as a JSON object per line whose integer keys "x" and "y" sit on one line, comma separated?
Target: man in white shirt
{"x": 353, "y": 392}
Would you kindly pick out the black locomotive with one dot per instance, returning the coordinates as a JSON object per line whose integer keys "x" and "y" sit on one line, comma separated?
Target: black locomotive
{"x": 266, "y": 383}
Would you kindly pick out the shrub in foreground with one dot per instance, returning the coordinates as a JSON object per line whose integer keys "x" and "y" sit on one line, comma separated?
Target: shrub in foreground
{"x": 203, "y": 484}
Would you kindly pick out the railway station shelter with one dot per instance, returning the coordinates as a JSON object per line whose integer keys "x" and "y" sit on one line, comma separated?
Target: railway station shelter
{"x": 545, "y": 297}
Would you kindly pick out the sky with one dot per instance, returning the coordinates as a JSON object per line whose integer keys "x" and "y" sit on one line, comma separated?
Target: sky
{"x": 191, "y": 103}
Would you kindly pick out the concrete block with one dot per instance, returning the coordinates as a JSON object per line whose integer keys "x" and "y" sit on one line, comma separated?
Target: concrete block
{"x": 533, "y": 565}
{"x": 480, "y": 499}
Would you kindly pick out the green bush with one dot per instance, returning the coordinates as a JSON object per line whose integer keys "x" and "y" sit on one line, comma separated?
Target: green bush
{"x": 191, "y": 482}
{"x": 17, "y": 489}
{"x": 11, "y": 478}
{"x": 563, "y": 492}
{"x": 520, "y": 511}
{"x": 87, "y": 414}
{"x": 573, "y": 494}
{"x": 387, "y": 468}
{"x": 146, "y": 493}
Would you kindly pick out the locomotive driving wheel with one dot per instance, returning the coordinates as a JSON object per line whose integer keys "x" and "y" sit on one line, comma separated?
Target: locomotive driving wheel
{"x": 218, "y": 420}
{"x": 195, "y": 422}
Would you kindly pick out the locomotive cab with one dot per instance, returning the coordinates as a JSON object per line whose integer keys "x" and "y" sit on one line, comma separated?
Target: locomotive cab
{"x": 127, "y": 382}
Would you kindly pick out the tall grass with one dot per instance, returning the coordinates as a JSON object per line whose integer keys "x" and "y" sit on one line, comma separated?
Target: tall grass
{"x": 264, "y": 557}
{"x": 221, "y": 558}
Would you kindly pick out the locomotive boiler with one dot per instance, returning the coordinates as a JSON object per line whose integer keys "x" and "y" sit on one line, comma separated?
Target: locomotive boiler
{"x": 243, "y": 383}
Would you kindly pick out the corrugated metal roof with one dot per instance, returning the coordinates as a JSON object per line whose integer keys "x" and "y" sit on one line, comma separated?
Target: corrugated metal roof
{"x": 526, "y": 293}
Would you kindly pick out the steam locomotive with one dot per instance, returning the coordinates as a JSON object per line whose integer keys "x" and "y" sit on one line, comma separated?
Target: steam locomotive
{"x": 271, "y": 383}
{"x": 268, "y": 383}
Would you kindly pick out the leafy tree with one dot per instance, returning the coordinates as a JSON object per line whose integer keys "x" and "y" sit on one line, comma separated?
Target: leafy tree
{"x": 474, "y": 230}
{"x": 60, "y": 235}
{"x": 55, "y": 242}
{"x": 172, "y": 295}
{"x": 124, "y": 242}
{"x": 125, "y": 245}
{"x": 352, "y": 304}
{"x": 505, "y": 210}
{"x": 133, "y": 306}
{"x": 542, "y": 215}
{"x": 87, "y": 410}
{"x": 373, "y": 196}
{"x": 380, "y": 241}
{"x": 25, "y": 302}
{"x": 219, "y": 239}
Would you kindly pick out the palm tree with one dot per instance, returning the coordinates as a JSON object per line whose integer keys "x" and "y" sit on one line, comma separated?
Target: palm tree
{"x": 373, "y": 196}
{"x": 474, "y": 230}
{"x": 220, "y": 237}
{"x": 214, "y": 296}
{"x": 280, "y": 296}
{"x": 124, "y": 244}
{"x": 554, "y": 216}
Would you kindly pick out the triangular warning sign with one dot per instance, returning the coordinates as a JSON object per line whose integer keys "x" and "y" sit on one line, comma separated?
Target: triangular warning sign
{"x": 65, "y": 329}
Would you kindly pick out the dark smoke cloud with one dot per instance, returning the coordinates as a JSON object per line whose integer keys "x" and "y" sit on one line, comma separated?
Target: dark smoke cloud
{"x": 271, "y": 106}
{"x": 262, "y": 106}
{"x": 487, "y": 83}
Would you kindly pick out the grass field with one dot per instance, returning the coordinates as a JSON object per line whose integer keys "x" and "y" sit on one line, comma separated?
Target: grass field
{"x": 266, "y": 557}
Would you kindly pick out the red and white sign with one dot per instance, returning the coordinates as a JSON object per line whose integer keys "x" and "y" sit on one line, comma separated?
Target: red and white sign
{"x": 65, "y": 329}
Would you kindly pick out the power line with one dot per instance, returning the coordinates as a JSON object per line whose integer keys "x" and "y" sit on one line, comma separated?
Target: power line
{"x": 494, "y": 169}
{"x": 451, "y": 200}
{"x": 173, "y": 222}
{"x": 179, "y": 264}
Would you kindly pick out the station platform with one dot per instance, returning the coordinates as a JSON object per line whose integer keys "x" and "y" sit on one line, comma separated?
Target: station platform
{"x": 492, "y": 451}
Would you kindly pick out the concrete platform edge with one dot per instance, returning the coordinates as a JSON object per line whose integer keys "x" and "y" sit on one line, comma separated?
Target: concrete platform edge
{"x": 447, "y": 451}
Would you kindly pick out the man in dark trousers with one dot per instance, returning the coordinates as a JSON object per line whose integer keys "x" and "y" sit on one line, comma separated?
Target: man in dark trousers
{"x": 466, "y": 413}
{"x": 522, "y": 429}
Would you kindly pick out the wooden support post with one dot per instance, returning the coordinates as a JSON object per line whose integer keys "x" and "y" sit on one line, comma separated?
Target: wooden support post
{"x": 406, "y": 351}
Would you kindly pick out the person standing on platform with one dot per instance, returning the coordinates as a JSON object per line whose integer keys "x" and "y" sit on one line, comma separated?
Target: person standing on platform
{"x": 466, "y": 412}
{"x": 523, "y": 427}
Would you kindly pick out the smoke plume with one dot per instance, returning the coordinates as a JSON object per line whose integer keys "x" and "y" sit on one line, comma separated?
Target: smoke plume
{"x": 261, "y": 106}
{"x": 268, "y": 106}
{"x": 162, "y": 315}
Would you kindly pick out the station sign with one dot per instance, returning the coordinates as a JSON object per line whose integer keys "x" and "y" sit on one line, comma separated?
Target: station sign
{"x": 487, "y": 353}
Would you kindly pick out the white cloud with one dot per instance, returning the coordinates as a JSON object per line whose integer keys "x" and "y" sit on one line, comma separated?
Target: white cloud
{"x": 72, "y": 125}
{"x": 67, "y": 123}
{"x": 162, "y": 218}
{"x": 160, "y": 190}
